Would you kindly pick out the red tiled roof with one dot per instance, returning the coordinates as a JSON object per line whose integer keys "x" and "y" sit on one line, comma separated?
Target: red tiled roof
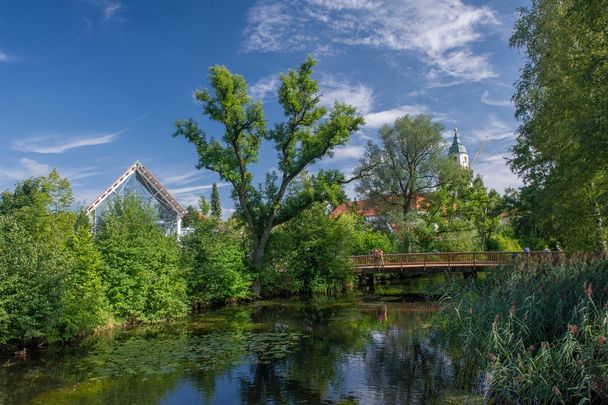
{"x": 362, "y": 207}
{"x": 366, "y": 208}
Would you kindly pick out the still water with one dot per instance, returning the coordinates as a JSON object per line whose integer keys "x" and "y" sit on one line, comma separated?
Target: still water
{"x": 362, "y": 349}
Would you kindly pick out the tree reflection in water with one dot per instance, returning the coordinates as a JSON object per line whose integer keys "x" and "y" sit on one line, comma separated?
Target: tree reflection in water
{"x": 327, "y": 351}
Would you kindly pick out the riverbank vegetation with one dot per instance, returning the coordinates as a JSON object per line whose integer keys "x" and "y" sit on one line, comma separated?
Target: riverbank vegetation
{"x": 61, "y": 279}
{"x": 540, "y": 331}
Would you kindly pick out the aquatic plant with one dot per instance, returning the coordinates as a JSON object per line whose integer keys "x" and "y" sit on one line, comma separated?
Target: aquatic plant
{"x": 540, "y": 329}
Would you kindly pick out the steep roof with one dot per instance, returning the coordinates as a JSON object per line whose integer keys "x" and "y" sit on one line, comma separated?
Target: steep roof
{"x": 457, "y": 147}
{"x": 161, "y": 193}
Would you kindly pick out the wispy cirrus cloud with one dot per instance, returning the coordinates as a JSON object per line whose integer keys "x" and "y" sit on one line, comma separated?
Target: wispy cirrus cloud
{"x": 181, "y": 177}
{"x": 486, "y": 99}
{"x": 379, "y": 118}
{"x": 495, "y": 172}
{"x": 55, "y": 144}
{"x": 191, "y": 195}
{"x": 494, "y": 130}
{"x": 440, "y": 32}
{"x": 358, "y": 95}
{"x": 263, "y": 88}
{"x": 110, "y": 9}
{"x": 331, "y": 88}
{"x": 348, "y": 152}
{"x": 24, "y": 169}
{"x": 192, "y": 189}
{"x": 5, "y": 57}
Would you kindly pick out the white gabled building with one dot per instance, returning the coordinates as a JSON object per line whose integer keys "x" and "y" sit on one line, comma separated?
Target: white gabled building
{"x": 138, "y": 180}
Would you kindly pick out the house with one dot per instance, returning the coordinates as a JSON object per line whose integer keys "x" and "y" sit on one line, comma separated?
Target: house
{"x": 140, "y": 181}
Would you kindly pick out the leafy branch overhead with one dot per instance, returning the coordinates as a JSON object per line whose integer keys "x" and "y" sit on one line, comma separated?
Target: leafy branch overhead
{"x": 308, "y": 133}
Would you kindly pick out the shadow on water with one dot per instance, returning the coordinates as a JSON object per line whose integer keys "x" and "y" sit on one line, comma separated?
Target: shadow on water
{"x": 354, "y": 350}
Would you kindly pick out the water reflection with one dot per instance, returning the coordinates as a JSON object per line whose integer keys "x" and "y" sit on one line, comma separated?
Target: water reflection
{"x": 330, "y": 351}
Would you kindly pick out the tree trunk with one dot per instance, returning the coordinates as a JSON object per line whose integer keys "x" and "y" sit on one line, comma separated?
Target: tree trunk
{"x": 258, "y": 257}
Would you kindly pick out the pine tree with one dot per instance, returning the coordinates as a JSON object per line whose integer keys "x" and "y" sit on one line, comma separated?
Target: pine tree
{"x": 216, "y": 207}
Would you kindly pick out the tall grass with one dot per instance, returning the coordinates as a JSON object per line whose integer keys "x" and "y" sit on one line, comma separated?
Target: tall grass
{"x": 539, "y": 328}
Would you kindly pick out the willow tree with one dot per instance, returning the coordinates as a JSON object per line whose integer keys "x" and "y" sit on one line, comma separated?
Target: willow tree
{"x": 409, "y": 163}
{"x": 309, "y": 133}
{"x": 562, "y": 104}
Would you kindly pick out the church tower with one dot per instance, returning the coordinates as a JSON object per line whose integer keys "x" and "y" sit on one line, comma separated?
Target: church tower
{"x": 458, "y": 152}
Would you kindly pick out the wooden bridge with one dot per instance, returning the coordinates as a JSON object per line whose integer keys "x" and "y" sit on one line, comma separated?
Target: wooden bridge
{"x": 437, "y": 262}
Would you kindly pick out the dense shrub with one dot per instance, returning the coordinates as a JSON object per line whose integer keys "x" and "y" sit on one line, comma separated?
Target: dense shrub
{"x": 30, "y": 298}
{"x": 540, "y": 329}
{"x": 49, "y": 268}
{"x": 310, "y": 254}
{"x": 213, "y": 259}
{"x": 141, "y": 265}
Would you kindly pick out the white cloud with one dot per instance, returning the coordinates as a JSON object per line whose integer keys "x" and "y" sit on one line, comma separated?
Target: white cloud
{"x": 357, "y": 95}
{"x": 495, "y": 172}
{"x": 110, "y": 9}
{"x": 191, "y": 195}
{"x": 486, "y": 99}
{"x": 377, "y": 119}
{"x": 181, "y": 178}
{"x": 25, "y": 169}
{"x": 78, "y": 174}
{"x": 348, "y": 152}
{"x": 261, "y": 89}
{"x": 440, "y": 32}
{"x": 4, "y": 57}
{"x": 192, "y": 189}
{"x": 494, "y": 130}
{"x": 60, "y": 144}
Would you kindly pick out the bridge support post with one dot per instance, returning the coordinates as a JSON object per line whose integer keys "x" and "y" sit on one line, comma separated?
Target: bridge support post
{"x": 370, "y": 281}
{"x": 470, "y": 273}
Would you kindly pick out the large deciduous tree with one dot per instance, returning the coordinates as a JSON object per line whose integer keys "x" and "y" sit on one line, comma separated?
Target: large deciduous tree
{"x": 561, "y": 100}
{"x": 308, "y": 133}
{"x": 409, "y": 163}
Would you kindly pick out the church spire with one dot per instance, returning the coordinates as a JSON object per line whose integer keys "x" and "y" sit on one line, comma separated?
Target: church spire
{"x": 458, "y": 151}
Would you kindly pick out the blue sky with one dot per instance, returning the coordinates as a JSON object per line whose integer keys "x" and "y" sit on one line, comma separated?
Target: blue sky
{"x": 90, "y": 86}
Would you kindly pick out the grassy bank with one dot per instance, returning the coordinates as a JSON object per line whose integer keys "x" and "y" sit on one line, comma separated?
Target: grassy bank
{"x": 540, "y": 330}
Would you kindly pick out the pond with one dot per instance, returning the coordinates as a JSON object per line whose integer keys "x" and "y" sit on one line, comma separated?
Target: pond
{"x": 361, "y": 349}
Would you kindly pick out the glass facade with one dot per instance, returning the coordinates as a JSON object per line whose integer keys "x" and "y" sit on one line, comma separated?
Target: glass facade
{"x": 136, "y": 184}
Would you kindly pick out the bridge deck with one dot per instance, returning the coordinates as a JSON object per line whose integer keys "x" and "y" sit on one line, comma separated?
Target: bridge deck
{"x": 435, "y": 261}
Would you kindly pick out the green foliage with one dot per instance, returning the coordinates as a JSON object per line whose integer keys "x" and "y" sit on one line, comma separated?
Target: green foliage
{"x": 504, "y": 241}
{"x": 310, "y": 254}
{"x": 84, "y": 302}
{"x": 30, "y": 298}
{"x": 214, "y": 261}
{"x": 141, "y": 265}
{"x": 541, "y": 330}
{"x": 366, "y": 239}
{"x": 49, "y": 268}
{"x": 562, "y": 143}
{"x": 309, "y": 133}
{"x": 216, "y": 207}
{"x": 410, "y": 163}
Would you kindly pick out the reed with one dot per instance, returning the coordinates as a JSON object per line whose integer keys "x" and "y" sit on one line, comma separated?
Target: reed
{"x": 539, "y": 329}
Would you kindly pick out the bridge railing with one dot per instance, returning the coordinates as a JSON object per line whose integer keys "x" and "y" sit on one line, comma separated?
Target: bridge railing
{"x": 443, "y": 259}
